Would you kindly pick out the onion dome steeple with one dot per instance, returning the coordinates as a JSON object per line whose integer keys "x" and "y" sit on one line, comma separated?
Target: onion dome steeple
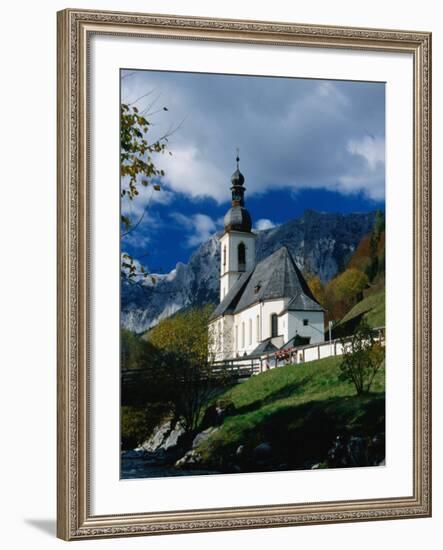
{"x": 237, "y": 217}
{"x": 237, "y": 189}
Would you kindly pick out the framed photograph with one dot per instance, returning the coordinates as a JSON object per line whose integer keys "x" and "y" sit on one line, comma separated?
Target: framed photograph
{"x": 243, "y": 274}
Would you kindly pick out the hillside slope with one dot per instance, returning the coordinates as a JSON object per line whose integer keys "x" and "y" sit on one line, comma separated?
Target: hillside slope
{"x": 297, "y": 413}
{"x": 371, "y": 308}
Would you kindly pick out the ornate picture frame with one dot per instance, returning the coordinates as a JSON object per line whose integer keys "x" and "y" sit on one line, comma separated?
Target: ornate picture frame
{"x": 74, "y": 516}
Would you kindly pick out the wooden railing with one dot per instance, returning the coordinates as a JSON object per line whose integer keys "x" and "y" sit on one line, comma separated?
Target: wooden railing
{"x": 241, "y": 368}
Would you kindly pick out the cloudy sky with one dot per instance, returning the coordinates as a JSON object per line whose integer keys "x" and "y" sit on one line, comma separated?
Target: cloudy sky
{"x": 303, "y": 144}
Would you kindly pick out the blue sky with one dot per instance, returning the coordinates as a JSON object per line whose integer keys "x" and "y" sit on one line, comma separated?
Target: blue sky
{"x": 304, "y": 144}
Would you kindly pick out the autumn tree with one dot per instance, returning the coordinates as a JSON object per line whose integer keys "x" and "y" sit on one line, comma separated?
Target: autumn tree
{"x": 138, "y": 169}
{"x": 186, "y": 332}
{"x": 184, "y": 371}
{"x": 343, "y": 291}
{"x": 363, "y": 357}
{"x": 369, "y": 256}
{"x": 316, "y": 287}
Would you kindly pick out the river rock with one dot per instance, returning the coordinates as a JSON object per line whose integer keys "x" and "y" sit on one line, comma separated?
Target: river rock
{"x": 215, "y": 414}
{"x": 157, "y": 438}
{"x": 240, "y": 451}
{"x": 203, "y": 436}
{"x": 262, "y": 451}
{"x": 173, "y": 437}
{"x": 190, "y": 459}
{"x": 353, "y": 451}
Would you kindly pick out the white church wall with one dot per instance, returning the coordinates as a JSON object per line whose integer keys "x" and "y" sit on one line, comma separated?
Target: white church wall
{"x": 247, "y": 321}
{"x": 221, "y": 338}
{"x": 314, "y": 329}
{"x": 229, "y": 270}
{"x": 268, "y": 308}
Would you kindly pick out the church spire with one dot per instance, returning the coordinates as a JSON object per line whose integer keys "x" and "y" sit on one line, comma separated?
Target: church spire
{"x": 237, "y": 185}
{"x": 237, "y": 218}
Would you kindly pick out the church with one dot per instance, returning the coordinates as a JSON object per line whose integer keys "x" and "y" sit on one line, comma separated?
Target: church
{"x": 264, "y": 306}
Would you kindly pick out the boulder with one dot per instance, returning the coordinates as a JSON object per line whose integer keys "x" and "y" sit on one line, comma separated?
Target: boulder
{"x": 157, "y": 438}
{"x": 173, "y": 437}
{"x": 240, "y": 451}
{"x": 263, "y": 451}
{"x": 190, "y": 459}
{"x": 353, "y": 451}
{"x": 215, "y": 414}
{"x": 203, "y": 436}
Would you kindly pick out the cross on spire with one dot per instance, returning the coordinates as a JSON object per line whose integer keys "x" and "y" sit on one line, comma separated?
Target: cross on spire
{"x": 238, "y": 156}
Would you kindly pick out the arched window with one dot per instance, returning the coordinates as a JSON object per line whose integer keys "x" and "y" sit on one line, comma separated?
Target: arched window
{"x": 274, "y": 325}
{"x": 243, "y": 334}
{"x": 250, "y": 332}
{"x": 241, "y": 254}
{"x": 224, "y": 258}
{"x": 257, "y": 329}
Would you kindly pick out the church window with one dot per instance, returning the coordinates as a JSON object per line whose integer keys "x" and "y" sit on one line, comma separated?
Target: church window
{"x": 257, "y": 328}
{"x": 236, "y": 337}
{"x": 243, "y": 334}
{"x": 305, "y": 322}
{"x": 250, "y": 331}
{"x": 224, "y": 258}
{"x": 241, "y": 253}
{"x": 274, "y": 325}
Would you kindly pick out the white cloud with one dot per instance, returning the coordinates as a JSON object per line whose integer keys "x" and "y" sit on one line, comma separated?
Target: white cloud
{"x": 189, "y": 172}
{"x": 371, "y": 148}
{"x": 368, "y": 176}
{"x": 292, "y": 133}
{"x": 264, "y": 223}
{"x": 200, "y": 226}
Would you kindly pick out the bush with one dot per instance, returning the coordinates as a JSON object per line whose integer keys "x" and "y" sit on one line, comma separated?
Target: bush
{"x": 362, "y": 358}
{"x": 134, "y": 427}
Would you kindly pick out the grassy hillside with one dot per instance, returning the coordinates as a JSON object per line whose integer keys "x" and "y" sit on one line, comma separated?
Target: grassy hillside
{"x": 299, "y": 410}
{"x": 371, "y": 308}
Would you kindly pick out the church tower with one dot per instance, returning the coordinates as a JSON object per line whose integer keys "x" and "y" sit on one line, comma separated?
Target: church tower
{"x": 237, "y": 242}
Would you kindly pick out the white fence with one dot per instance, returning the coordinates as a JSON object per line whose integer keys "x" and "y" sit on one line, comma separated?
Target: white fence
{"x": 247, "y": 366}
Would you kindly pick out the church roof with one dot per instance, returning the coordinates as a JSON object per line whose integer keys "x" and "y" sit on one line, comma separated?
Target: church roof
{"x": 275, "y": 277}
{"x": 264, "y": 347}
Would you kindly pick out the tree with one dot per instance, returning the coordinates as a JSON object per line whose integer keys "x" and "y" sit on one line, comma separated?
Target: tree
{"x": 377, "y": 247}
{"x": 363, "y": 356}
{"x": 349, "y": 284}
{"x": 185, "y": 332}
{"x": 183, "y": 374}
{"x": 317, "y": 288}
{"x": 137, "y": 168}
{"x": 342, "y": 292}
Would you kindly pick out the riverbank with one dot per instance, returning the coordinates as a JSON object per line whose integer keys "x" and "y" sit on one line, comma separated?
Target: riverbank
{"x": 290, "y": 418}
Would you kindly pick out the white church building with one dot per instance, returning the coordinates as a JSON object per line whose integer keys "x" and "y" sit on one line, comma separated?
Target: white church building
{"x": 264, "y": 306}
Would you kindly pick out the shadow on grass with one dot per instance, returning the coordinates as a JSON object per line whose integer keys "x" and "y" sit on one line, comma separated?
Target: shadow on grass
{"x": 299, "y": 434}
{"x": 306, "y": 432}
{"x": 282, "y": 393}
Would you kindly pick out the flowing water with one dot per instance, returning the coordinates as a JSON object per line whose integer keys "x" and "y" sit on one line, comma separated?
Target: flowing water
{"x": 136, "y": 468}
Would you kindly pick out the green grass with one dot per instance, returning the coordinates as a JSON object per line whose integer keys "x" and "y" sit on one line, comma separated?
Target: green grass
{"x": 371, "y": 308}
{"x": 299, "y": 410}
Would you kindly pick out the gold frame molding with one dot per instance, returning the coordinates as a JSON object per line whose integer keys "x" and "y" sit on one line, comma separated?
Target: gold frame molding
{"x": 74, "y": 519}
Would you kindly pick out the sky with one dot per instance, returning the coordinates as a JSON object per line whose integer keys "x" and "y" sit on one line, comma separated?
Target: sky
{"x": 304, "y": 144}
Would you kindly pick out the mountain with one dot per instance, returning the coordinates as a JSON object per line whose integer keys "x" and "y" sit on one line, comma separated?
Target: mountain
{"x": 320, "y": 242}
